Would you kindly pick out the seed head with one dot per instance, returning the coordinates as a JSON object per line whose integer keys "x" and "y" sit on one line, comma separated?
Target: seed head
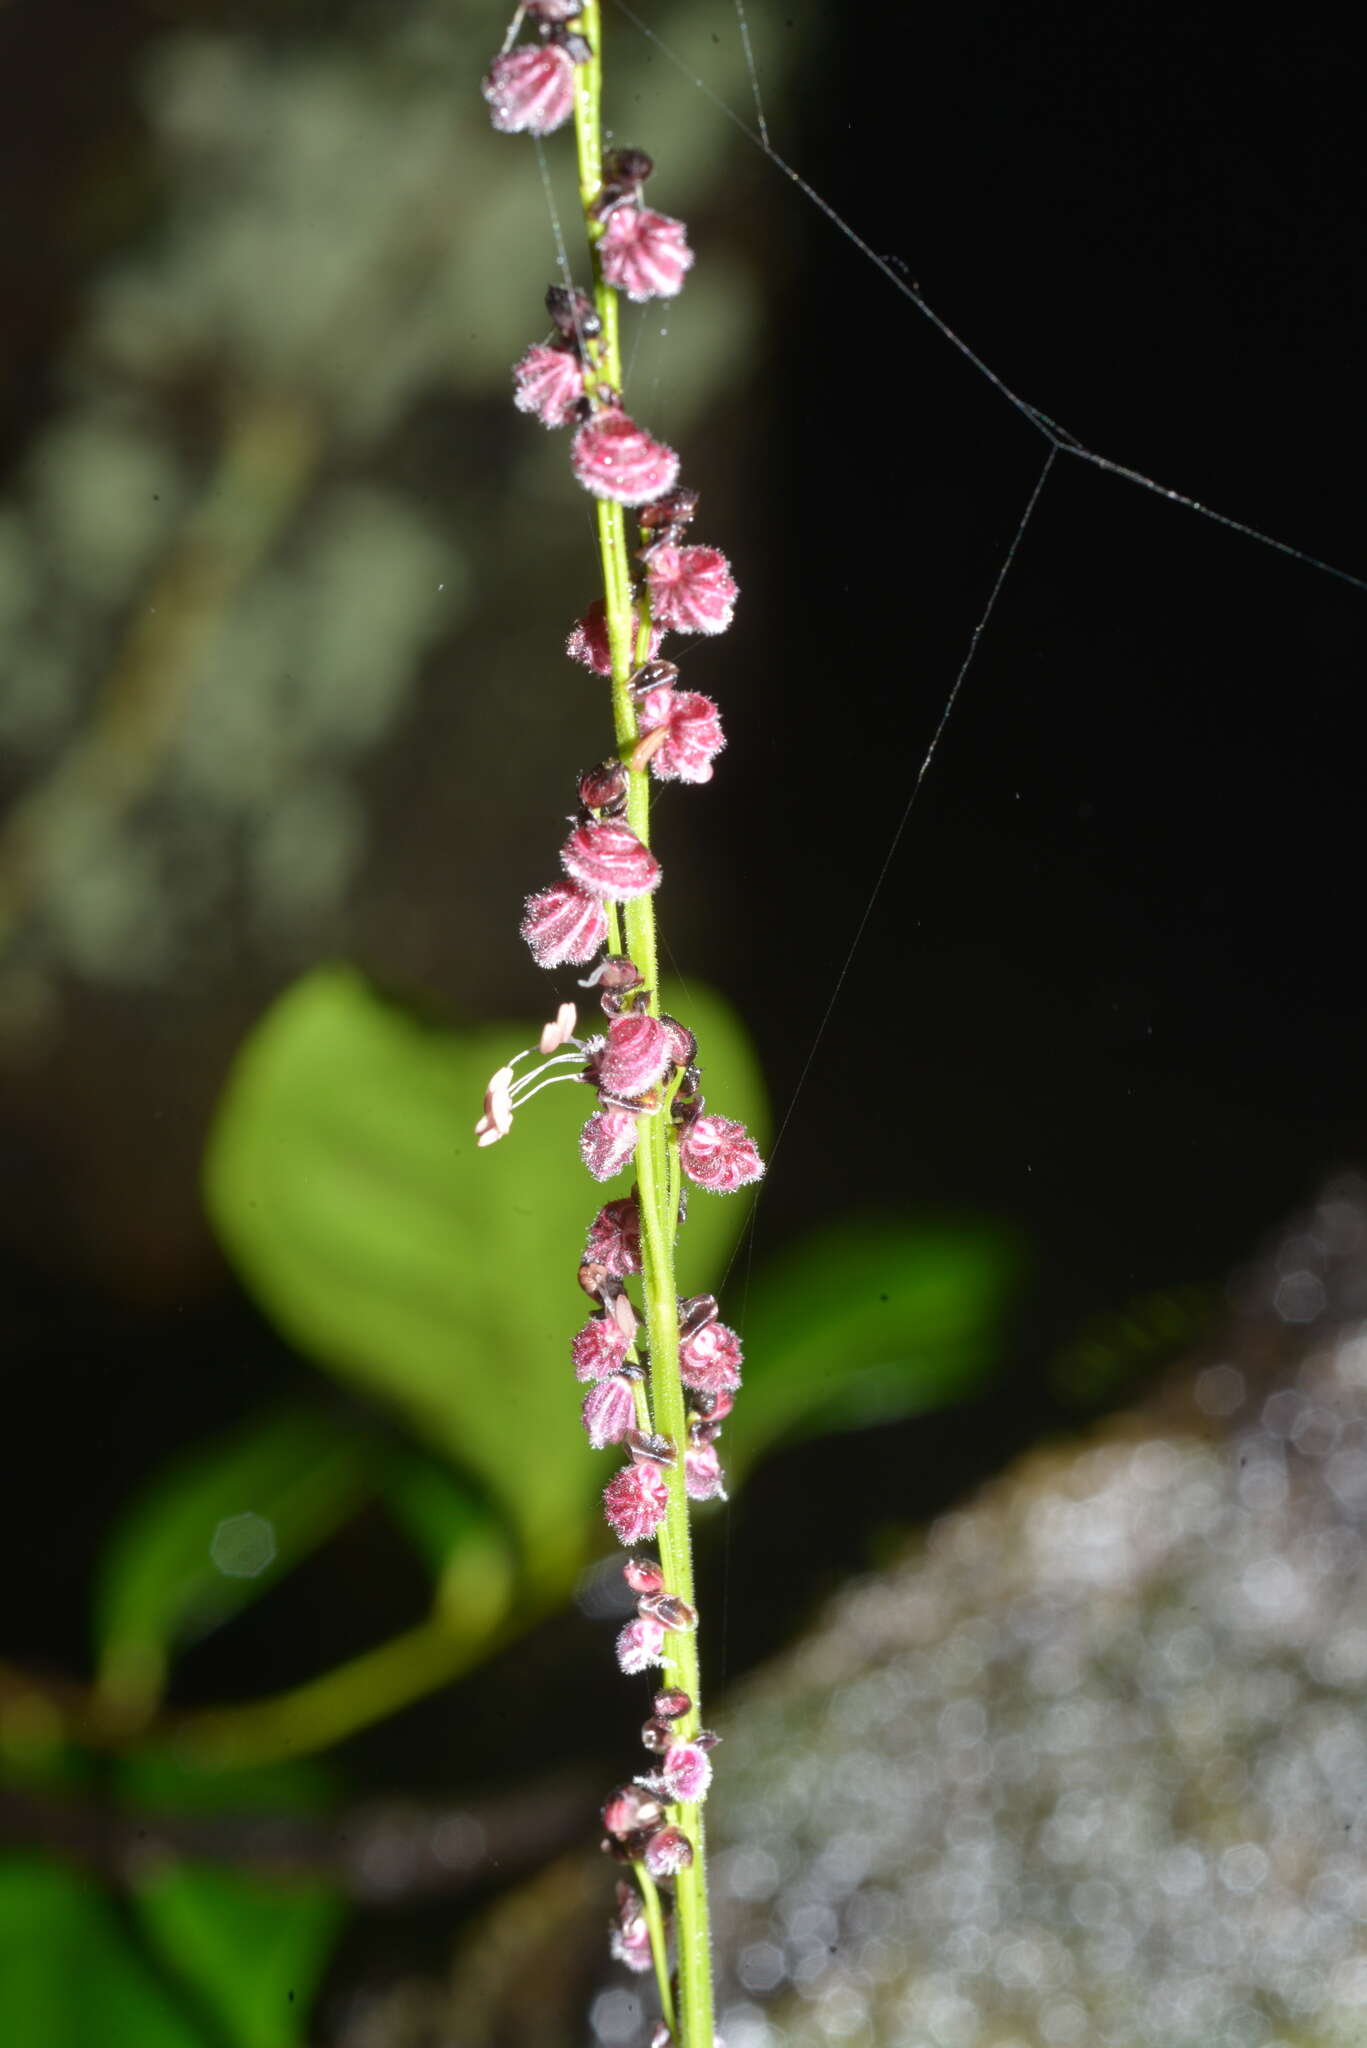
{"x": 548, "y": 382}
{"x": 607, "y": 859}
{"x": 608, "y": 1413}
{"x": 530, "y": 90}
{"x": 635, "y": 1501}
{"x": 564, "y": 924}
{"x": 614, "y": 458}
{"x": 710, "y": 1359}
{"x": 692, "y": 589}
{"x": 719, "y": 1155}
{"x": 644, "y": 254}
{"x": 615, "y": 1238}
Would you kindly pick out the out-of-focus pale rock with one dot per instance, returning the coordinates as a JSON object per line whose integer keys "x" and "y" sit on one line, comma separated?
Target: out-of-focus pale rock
{"x": 1091, "y": 1767}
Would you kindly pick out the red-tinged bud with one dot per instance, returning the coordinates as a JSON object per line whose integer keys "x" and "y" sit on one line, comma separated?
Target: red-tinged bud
{"x": 686, "y": 1772}
{"x": 530, "y": 90}
{"x": 692, "y": 739}
{"x": 615, "y": 459}
{"x": 639, "y": 1645}
{"x": 703, "y": 1476}
{"x": 635, "y": 1501}
{"x": 683, "y": 1046}
{"x": 608, "y": 860}
{"x": 667, "y": 1853}
{"x": 656, "y": 1736}
{"x": 707, "y": 1738}
{"x": 692, "y": 589}
{"x": 671, "y": 1610}
{"x": 564, "y": 924}
{"x": 651, "y": 1449}
{"x": 644, "y": 254}
{"x": 672, "y": 1705}
{"x": 615, "y": 1237}
{"x": 627, "y": 167}
{"x": 598, "y": 1349}
{"x": 635, "y": 1056}
{"x": 710, "y": 1359}
{"x": 719, "y": 1155}
{"x": 553, "y": 10}
{"x": 609, "y": 1411}
{"x": 652, "y": 675}
{"x": 631, "y": 1809}
{"x": 614, "y": 975}
{"x": 588, "y": 639}
{"x": 604, "y": 788}
{"x": 607, "y": 1142}
{"x": 548, "y": 382}
{"x": 643, "y": 1575}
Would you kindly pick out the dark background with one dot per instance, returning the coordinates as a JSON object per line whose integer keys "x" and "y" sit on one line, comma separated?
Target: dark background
{"x": 1111, "y": 989}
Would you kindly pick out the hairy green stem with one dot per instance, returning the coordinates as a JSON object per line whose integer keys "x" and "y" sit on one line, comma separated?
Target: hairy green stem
{"x": 659, "y": 1942}
{"x": 657, "y": 1174}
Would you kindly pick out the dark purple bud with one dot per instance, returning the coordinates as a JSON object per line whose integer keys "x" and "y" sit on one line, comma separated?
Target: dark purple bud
{"x": 577, "y": 48}
{"x": 694, "y": 1311}
{"x": 604, "y": 788}
{"x": 670, "y": 1610}
{"x": 676, "y": 510}
{"x": 615, "y": 1238}
{"x": 657, "y": 1736}
{"x": 653, "y": 675}
{"x": 668, "y": 1852}
{"x": 672, "y": 1704}
{"x": 653, "y": 1450}
{"x": 706, "y": 1738}
{"x": 573, "y": 312}
{"x": 683, "y": 1046}
{"x": 627, "y": 167}
{"x": 643, "y": 1575}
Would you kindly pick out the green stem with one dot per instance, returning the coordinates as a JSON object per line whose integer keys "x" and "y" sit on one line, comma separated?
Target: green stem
{"x": 656, "y": 1183}
{"x": 659, "y": 1942}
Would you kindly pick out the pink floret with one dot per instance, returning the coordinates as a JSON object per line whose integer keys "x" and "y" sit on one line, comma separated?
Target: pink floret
{"x": 549, "y": 382}
{"x": 695, "y": 737}
{"x": 635, "y": 1501}
{"x": 530, "y": 90}
{"x": 564, "y": 925}
{"x": 692, "y": 589}
{"x": 616, "y": 459}
{"x": 719, "y": 1155}
{"x": 644, "y": 254}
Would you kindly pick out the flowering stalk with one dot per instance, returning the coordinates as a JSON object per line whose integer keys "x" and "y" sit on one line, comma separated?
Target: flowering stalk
{"x": 665, "y": 1398}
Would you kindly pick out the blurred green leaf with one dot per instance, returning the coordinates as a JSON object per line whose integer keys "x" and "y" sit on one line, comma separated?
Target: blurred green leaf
{"x": 215, "y": 1533}
{"x": 252, "y": 1950}
{"x": 867, "y": 1322}
{"x": 69, "y": 1975}
{"x": 343, "y": 1179}
{"x": 249, "y": 1947}
{"x": 457, "y": 1537}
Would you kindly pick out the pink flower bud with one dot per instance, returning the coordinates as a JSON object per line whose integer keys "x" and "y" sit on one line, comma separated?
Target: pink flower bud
{"x": 692, "y": 589}
{"x": 693, "y": 736}
{"x": 598, "y": 1349}
{"x": 667, "y": 1853}
{"x": 639, "y": 1645}
{"x": 635, "y": 1502}
{"x": 635, "y": 1056}
{"x": 671, "y": 1705}
{"x": 614, "y": 458}
{"x": 629, "y": 1938}
{"x": 686, "y": 1772}
{"x": 656, "y": 1736}
{"x": 644, "y": 254}
{"x": 607, "y": 859}
{"x": 719, "y": 1155}
{"x": 614, "y": 1240}
{"x": 607, "y": 1142}
{"x": 703, "y": 1476}
{"x": 609, "y": 1411}
{"x": 643, "y": 1575}
{"x": 548, "y": 382}
{"x": 631, "y": 1809}
{"x": 588, "y": 640}
{"x": 530, "y": 90}
{"x": 604, "y": 788}
{"x": 710, "y": 1359}
{"x": 564, "y": 924}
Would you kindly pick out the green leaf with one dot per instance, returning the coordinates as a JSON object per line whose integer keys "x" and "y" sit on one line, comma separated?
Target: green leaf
{"x": 867, "y": 1322}
{"x": 344, "y": 1181}
{"x": 215, "y": 1533}
{"x": 249, "y": 1947}
{"x": 457, "y": 1537}
{"x": 69, "y": 1975}
{"x": 252, "y": 1949}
